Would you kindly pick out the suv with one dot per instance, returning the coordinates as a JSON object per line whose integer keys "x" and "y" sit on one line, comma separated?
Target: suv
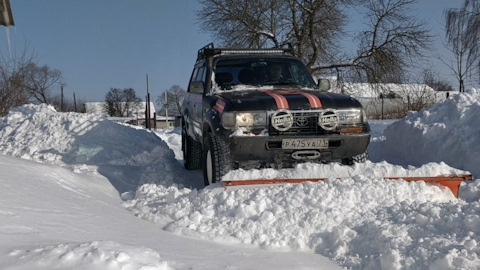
{"x": 248, "y": 108}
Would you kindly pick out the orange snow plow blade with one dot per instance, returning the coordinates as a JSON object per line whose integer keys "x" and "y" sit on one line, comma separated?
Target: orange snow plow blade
{"x": 451, "y": 181}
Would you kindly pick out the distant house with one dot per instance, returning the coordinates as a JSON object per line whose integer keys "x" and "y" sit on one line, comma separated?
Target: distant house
{"x": 98, "y": 108}
{"x": 158, "y": 122}
{"x": 137, "y": 117}
{"x": 168, "y": 123}
{"x": 389, "y": 99}
{"x": 391, "y": 90}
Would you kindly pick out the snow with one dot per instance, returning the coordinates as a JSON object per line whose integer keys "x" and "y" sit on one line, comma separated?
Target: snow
{"x": 334, "y": 170}
{"x": 448, "y": 132}
{"x": 81, "y": 192}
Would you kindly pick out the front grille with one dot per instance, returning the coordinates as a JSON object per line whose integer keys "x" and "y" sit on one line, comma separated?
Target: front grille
{"x": 304, "y": 123}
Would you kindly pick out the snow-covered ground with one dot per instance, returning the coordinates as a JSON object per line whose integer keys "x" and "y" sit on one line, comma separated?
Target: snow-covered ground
{"x": 81, "y": 192}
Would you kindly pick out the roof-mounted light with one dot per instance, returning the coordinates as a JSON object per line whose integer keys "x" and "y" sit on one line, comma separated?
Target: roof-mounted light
{"x": 210, "y": 50}
{"x": 240, "y": 51}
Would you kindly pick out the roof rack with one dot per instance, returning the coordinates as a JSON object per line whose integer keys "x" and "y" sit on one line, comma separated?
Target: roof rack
{"x": 209, "y": 50}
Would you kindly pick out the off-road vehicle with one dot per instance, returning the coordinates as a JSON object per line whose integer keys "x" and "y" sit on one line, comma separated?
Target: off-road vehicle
{"x": 257, "y": 108}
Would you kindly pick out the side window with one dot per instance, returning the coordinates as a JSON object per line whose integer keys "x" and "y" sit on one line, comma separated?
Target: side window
{"x": 201, "y": 75}
{"x": 194, "y": 75}
{"x": 197, "y": 83}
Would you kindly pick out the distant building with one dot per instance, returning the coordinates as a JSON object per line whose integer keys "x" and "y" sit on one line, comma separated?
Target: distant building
{"x": 160, "y": 122}
{"x": 391, "y": 90}
{"x": 389, "y": 99}
{"x": 137, "y": 117}
{"x": 98, "y": 108}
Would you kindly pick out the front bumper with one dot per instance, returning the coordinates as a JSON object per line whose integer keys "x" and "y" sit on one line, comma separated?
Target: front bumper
{"x": 268, "y": 150}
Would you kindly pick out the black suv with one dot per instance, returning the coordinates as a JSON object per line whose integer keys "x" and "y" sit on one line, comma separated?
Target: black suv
{"x": 249, "y": 108}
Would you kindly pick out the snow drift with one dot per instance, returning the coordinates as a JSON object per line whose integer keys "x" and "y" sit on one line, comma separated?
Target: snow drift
{"x": 86, "y": 142}
{"x": 446, "y": 132}
{"x": 361, "y": 222}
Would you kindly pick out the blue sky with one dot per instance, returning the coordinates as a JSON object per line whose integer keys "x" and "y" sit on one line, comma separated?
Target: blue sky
{"x": 110, "y": 43}
{"x": 100, "y": 44}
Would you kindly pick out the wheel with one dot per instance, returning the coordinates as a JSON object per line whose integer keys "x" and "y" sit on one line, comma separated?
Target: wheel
{"x": 216, "y": 159}
{"x": 192, "y": 152}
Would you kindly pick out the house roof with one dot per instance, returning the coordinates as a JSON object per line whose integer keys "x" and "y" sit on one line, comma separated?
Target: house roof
{"x": 98, "y": 108}
{"x": 366, "y": 90}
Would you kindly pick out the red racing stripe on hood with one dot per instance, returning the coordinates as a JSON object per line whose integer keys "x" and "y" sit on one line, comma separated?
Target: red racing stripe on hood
{"x": 281, "y": 101}
{"x": 312, "y": 99}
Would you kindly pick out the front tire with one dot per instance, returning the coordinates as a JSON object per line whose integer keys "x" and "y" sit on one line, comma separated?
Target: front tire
{"x": 216, "y": 159}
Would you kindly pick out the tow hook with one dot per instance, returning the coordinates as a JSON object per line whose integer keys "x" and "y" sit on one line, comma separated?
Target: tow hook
{"x": 306, "y": 154}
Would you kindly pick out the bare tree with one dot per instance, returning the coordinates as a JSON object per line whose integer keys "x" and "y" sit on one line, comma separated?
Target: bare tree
{"x": 393, "y": 39}
{"x": 463, "y": 33}
{"x": 68, "y": 104}
{"x": 40, "y": 81}
{"x": 22, "y": 81}
{"x": 132, "y": 102}
{"x": 121, "y": 103}
{"x": 313, "y": 26}
{"x": 174, "y": 97}
{"x": 418, "y": 97}
{"x": 431, "y": 79}
{"x": 113, "y": 102}
{"x": 415, "y": 97}
{"x": 12, "y": 81}
{"x": 11, "y": 94}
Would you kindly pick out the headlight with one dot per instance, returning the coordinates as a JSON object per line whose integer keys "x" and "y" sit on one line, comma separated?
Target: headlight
{"x": 232, "y": 120}
{"x": 350, "y": 116}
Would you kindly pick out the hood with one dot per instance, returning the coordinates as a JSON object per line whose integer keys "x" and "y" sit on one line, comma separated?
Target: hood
{"x": 292, "y": 99}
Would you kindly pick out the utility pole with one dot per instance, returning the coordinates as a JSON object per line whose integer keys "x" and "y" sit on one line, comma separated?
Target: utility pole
{"x": 147, "y": 114}
{"x": 382, "y": 97}
{"x": 74, "y": 102}
{"x": 61, "y": 98}
{"x": 166, "y": 107}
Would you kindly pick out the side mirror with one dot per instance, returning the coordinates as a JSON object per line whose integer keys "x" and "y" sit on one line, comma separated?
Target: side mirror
{"x": 323, "y": 85}
{"x": 196, "y": 87}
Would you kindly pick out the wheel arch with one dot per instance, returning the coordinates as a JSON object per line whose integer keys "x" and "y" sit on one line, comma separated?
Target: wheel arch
{"x": 212, "y": 123}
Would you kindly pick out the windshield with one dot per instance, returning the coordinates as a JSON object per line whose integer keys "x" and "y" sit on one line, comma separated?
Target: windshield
{"x": 258, "y": 72}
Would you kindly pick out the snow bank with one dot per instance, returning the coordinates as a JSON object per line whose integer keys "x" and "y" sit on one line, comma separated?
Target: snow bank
{"x": 86, "y": 142}
{"x": 53, "y": 218}
{"x": 361, "y": 221}
{"x": 448, "y": 131}
{"x": 98, "y": 255}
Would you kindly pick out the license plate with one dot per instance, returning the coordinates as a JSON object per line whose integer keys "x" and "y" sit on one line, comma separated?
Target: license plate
{"x": 304, "y": 143}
